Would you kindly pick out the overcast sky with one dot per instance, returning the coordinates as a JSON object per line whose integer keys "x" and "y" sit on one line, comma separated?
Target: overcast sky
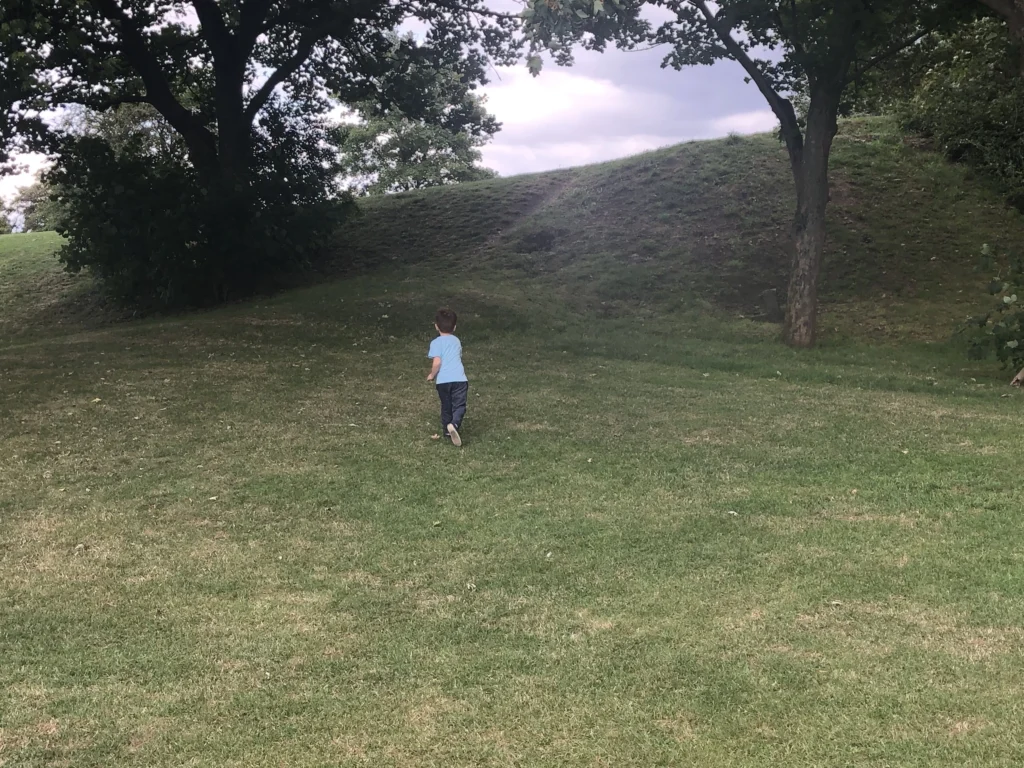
{"x": 607, "y": 106}
{"x": 611, "y": 105}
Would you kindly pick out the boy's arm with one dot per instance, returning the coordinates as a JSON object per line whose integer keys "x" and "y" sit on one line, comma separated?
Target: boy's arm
{"x": 434, "y": 369}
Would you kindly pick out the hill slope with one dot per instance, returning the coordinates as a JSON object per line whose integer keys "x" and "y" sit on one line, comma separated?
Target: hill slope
{"x": 710, "y": 220}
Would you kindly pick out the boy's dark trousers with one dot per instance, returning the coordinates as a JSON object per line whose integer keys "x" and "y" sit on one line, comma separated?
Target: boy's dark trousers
{"x": 453, "y": 404}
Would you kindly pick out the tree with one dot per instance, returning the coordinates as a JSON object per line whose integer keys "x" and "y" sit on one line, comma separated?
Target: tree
{"x": 127, "y": 128}
{"x": 785, "y": 46}
{"x": 1012, "y": 12}
{"x": 5, "y": 221}
{"x": 961, "y": 88}
{"x": 393, "y": 153}
{"x": 387, "y": 150}
{"x": 140, "y": 219}
{"x": 970, "y": 101}
{"x": 123, "y": 128}
{"x": 234, "y": 80}
{"x": 36, "y": 207}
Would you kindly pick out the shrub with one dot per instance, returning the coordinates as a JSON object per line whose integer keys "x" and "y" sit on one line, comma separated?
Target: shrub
{"x": 1001, "y": 330}
{"x": 970, "y": 100}
{"x": 136, "y": 214}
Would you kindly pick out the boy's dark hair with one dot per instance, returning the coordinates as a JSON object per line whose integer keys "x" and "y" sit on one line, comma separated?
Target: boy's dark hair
{"x": 445, "y": 320}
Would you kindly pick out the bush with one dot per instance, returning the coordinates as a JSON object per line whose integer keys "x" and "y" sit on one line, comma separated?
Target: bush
{"x": 157, "y": 237}
{"x": 1001, "y": 330}
{"x": 970, "y": 100}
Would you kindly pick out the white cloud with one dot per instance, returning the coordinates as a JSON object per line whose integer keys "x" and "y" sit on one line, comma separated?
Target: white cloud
{"x": 597, "y": 112}
{"x": 760, "y": 121}
{"x": 518, "y": 99}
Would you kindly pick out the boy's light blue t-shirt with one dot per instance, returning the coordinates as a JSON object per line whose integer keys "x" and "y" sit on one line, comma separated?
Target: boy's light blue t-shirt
{"x": 449, "y": 349}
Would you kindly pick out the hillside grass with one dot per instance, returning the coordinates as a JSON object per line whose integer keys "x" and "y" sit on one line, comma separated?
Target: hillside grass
{"x": 37, "y": 296}
{"x": 226, "y": 538}
{"x": 709, "y": 222}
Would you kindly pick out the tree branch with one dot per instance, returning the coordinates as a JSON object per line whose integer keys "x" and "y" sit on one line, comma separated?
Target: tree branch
{"x": 307, "y": 42}
{"x": 113, "y": 102}
{"x": 798, "y": 47}
{"x": 483, "y": 12}
{"x": 306, "y": 14}
{"x": 794, "y": 17}
{"x": 336, "y": 25}
{"x": 295, "y": 14}
{"x": 1004, "y": 8}
{"x": 906, "y": 43}
{"x": 158, "y": 90}
{"x": 254, "y": 14}
{"x": 201, "y": 143}
{"x": 901, "y": 46}
{"x": 213, "y": 27}
{"x": 782, "y": 107}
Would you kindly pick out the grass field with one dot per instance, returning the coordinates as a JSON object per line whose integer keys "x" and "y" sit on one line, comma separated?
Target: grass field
{"x": 226, "y": 538}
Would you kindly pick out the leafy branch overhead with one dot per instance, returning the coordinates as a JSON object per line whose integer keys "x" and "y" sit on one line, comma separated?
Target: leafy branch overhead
{"x": 211, "y": 79}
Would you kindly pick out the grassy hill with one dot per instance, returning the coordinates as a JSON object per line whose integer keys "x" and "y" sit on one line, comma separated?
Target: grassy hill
{"x": 227, "y": 539}
{"x": 699, "y": 224}
{"x": 710, "y": 221}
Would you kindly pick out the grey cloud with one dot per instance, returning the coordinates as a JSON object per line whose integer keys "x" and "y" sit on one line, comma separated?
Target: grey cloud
{"x": 646, "y": 107}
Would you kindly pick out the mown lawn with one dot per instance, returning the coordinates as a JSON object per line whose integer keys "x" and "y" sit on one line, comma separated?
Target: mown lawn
{"x": 226, "y": 539}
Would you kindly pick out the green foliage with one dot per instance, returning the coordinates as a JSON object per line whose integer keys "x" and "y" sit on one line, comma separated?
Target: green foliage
{"x": 136, "y": 216}
{"x": 211, "y": 79}
{"x": 970, "y": 100}
{"x": 5, "y": 220}
{"x": 1001, "y": 329}
{"x": 432, "y": 142}
{"x": 393, "y": 153}
{"x": 136, "y": 128}
{"x": 37, "y": 207}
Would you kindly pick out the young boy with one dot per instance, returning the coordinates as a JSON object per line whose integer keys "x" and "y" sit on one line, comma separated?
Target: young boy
{"x": 448, "y": 373}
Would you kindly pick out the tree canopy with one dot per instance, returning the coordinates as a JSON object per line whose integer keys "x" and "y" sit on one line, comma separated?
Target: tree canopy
{"x": 392, "y": 153}
{"x": 210, "y": 68}
{"x": 34, "y": 207}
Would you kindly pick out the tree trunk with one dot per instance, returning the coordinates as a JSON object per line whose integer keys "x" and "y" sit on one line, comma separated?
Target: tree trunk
{"x": 809, "y": 163}
{"x": 234, "y": 128}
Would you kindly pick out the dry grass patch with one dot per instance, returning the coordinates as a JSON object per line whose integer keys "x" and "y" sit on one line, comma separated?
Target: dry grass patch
{"x": 880, "y": 627}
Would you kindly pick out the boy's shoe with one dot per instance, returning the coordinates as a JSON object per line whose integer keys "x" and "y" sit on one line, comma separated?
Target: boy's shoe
{"x": 453, "y": 433}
